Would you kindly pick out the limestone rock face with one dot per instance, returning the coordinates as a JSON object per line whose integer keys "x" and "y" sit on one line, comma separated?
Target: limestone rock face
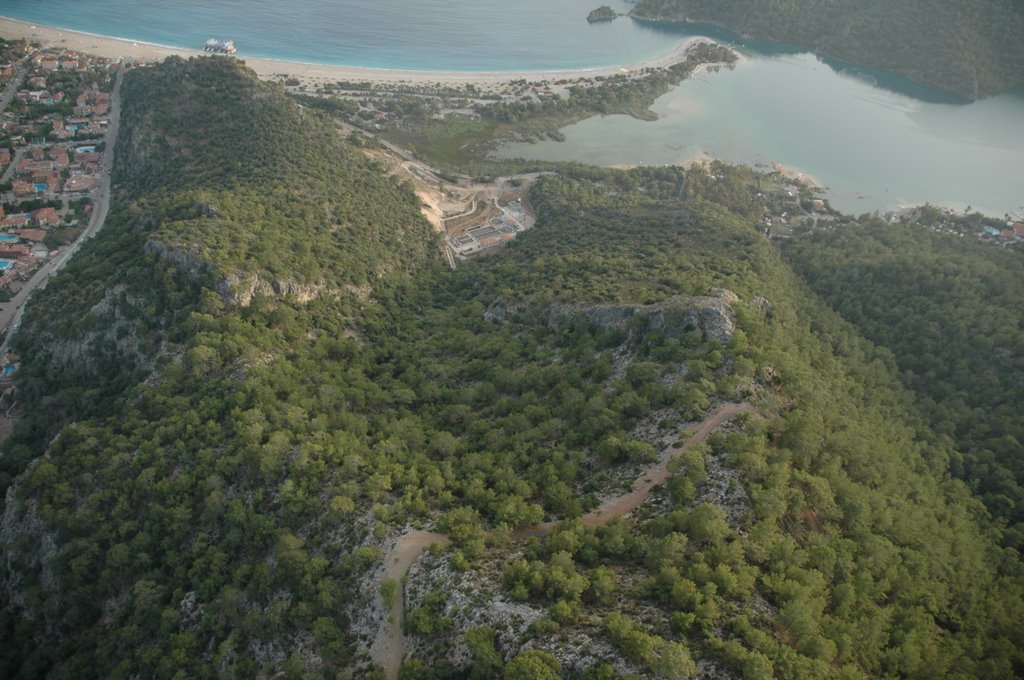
{"x": 236, "y": 289}
{"x": 499, "y": 312}
{"x": 710, "y": 314}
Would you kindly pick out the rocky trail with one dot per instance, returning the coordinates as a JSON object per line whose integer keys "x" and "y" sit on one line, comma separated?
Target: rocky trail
{"x": 388, "y": 649}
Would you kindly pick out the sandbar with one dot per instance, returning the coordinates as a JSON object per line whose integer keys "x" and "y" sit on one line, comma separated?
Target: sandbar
{"x": 312, "y": 74}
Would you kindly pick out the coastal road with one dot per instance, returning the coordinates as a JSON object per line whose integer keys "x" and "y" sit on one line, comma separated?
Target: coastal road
{"x": 10, "y": 314}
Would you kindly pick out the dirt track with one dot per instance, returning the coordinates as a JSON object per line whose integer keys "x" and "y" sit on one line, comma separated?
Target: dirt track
{"x": 388, "y": 650}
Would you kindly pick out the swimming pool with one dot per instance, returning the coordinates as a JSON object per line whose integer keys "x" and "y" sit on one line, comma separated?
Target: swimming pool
{"x": 6, "y": 238}
{"x": 6, "y": 264}
{"x": 40, "y": 188}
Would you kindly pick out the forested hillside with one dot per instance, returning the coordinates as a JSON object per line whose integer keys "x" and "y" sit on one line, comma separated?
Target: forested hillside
{"x": 248, "y": 428}
{"x": 970, "y": 47}
{"x": 952, "y": 312}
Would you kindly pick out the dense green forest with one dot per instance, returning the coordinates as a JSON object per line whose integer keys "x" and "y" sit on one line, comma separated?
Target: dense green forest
{"x": 951, "y": 312}
{"x": 215, "y": 456}
{"x": 971, "y": 48}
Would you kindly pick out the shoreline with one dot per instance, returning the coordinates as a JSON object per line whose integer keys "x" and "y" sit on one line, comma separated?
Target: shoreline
{"x": 143, "y": 52}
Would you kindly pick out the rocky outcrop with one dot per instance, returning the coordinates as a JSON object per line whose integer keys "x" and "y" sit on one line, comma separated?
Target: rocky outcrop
{"x": 239, "y": 289}
{"x": 499, "y": 311}
{"x": 236, "y": 289}
{"x": 602, "y": 13}
{"x": 710, "y": 314}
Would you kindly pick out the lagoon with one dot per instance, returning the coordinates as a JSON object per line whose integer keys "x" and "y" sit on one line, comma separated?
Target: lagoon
{"x": 875, "y": 148}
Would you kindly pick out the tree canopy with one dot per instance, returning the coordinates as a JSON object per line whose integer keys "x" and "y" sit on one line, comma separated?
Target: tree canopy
{"x": 211, "y": 466}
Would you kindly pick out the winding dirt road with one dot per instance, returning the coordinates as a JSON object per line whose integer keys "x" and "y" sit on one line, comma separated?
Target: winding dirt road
{"x": 388, "y": 650}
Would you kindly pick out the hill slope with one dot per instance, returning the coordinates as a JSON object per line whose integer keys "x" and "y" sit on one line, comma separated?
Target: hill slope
{"x": 950, "y": 313}
{"x": 220, "y": 502}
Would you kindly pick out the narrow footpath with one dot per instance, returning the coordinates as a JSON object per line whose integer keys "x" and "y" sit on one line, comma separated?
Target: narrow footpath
{"x": 388, "y": 650}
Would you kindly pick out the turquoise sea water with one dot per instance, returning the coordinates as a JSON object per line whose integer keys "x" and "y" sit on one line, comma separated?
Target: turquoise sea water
{"x": 486, "y": 35}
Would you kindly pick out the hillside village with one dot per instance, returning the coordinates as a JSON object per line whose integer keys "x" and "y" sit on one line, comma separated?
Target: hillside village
{"x": 53, "y": 117}
{"x": 54, "y": 107}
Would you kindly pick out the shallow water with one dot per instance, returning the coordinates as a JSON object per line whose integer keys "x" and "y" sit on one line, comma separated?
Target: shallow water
{"x": 875, "y": 148}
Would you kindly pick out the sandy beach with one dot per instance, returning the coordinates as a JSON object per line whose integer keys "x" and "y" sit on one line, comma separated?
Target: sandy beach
{"x": 796, "y": 175}
{"x": 314, "y": 74}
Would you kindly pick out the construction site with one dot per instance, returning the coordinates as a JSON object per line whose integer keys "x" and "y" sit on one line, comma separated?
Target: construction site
{"x": 475, "y": 217}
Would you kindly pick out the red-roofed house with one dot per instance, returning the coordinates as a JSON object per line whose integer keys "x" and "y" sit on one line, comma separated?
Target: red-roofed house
{"x": 27, "y": 166}
{"x": 46, "y": 216}
{"x": 59, "y": 156}
{"x": 15, "y": 251}
{"x": 1018, "y": 229}
{"x": 51, "y": 179}
{"x": 5, "y": 156}
{"x": 79, "y": 183}
{"x": 31, "y": 234}
{"x": 14, "y": 221}
{"x": 21, "y": 187}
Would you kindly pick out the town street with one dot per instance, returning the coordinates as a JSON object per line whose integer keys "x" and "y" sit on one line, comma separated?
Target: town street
{"x": 12, "y": 85}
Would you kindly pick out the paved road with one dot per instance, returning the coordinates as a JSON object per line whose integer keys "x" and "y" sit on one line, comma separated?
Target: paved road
{"x": 12, "y": 85}
{"x": 5, "y": 100}
{"x": 10, "y": 314}
{"x": 19, "y": 153}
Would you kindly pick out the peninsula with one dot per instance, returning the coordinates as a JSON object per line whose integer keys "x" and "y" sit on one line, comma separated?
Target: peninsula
{"x": 954, "y": 47}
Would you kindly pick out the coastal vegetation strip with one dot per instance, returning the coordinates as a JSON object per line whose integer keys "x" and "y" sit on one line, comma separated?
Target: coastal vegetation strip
{"x": 457, "y": 133}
